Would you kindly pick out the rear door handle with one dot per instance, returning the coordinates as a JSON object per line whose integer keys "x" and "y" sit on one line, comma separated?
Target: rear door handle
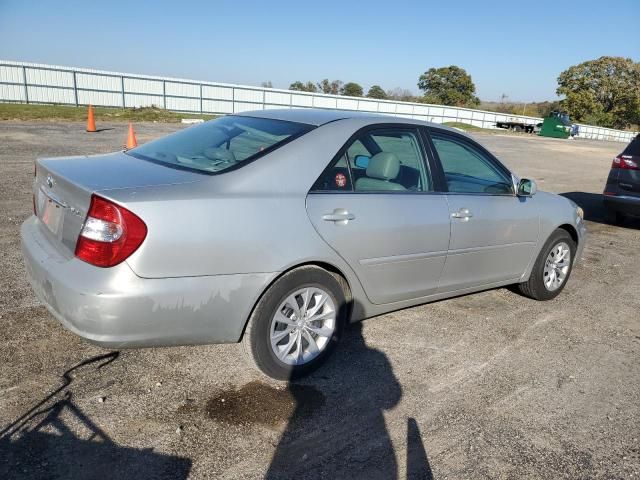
{"x": 340, "y": 216}
{"x": 463, "y": 214}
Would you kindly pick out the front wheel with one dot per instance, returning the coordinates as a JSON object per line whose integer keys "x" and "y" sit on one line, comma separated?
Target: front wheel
{"x": 296, "y": 324}
{"x": 552, "y": 268}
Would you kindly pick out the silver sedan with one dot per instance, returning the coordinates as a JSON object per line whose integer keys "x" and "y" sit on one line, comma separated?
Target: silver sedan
{"x": 275, "y": 228}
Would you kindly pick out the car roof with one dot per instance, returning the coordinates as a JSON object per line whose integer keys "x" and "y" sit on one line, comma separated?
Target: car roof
{"x": 320, "y": 116}
{"x": 310, "y": 116}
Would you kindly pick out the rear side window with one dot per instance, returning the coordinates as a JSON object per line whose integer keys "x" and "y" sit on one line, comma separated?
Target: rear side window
{"x": 633, "y": 148}
{"x": 223, "y": 144}
{"x": 384, "y": 160}
{"x": 468, "y": 169}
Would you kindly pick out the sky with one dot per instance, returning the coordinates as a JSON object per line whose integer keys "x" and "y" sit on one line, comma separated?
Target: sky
{"x": 513, "y": 48}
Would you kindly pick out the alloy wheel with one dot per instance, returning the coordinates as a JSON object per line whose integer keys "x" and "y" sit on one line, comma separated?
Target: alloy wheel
{"x": 303, "y": 325}
{"x": 556, "y": 266}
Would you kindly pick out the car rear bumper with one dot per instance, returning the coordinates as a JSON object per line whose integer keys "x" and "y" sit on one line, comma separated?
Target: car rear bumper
{"x": 115, "y": 308}
{"x": 623, "y": 203}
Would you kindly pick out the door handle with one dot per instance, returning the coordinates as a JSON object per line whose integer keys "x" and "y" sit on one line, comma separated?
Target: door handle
{"x": 463, "y": 214}
{"x": 339, "y": 216}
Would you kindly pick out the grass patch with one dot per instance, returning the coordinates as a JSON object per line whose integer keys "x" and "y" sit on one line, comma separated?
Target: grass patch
{"x": 20, "y": 111}
{"x": 466, "y": 127}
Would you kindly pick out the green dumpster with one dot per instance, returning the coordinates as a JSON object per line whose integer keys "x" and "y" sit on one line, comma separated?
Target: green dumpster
{"x": 556, "y": 125}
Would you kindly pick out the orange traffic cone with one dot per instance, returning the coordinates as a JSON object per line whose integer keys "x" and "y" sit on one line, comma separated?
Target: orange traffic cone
{"x": 131, "y": 138}
{"x": 91, "y": 123}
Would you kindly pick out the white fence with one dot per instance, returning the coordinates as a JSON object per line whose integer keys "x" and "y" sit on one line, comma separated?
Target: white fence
{"x": 36, "y": 83}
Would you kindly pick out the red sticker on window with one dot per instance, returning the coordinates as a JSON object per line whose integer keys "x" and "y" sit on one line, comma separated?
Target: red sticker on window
{"x": 341, "y": 180}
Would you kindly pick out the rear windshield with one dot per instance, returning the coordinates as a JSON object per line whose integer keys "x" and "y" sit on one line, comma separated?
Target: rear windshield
{"x": 633, "y": 148}
{"x": 222, "y": 144}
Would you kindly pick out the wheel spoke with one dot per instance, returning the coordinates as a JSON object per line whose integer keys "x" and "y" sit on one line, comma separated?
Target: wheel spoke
{"x": 551, "y": 278}
{"x": 305, "y": 300}
{"x": 292, "y": 302}
{"x": 283, "y": 352}
{"x": 280, "y": 334}
{"x": 319, "y": 304}
{"x": 282, "y": 318}
{"x": 321, "y": 331}
{"x": 323, "y": 316}
{"x": 313, "y": 346}
{"x": 298, "y": 353}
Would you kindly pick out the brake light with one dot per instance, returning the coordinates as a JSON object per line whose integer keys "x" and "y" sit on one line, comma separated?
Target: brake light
{"x": 625, "y": 162}
{"x": 110, "y": 234}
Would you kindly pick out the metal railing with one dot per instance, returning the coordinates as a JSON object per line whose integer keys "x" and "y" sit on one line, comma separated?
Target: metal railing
{"x": 49, "y": 84}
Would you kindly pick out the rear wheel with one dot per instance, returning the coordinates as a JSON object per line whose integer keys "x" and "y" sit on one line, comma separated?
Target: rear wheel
{"x": 296, "y": 324}
{"x": 552, "y": 268}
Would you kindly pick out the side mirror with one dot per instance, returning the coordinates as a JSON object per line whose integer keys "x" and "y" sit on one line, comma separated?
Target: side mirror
{"x": 361, "y": 161}
{"x": 527, "y": 188}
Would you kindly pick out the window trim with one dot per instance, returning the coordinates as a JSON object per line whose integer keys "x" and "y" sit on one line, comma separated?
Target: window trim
{"x": 465, "y": 140}
{"x": 426, "y": 161}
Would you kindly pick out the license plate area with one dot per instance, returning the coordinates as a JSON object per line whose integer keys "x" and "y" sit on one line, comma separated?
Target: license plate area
{"x": 51, "y": 213}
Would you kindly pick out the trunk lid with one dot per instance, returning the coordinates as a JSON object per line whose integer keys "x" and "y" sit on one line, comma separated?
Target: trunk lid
{"x": 63, "y": 187}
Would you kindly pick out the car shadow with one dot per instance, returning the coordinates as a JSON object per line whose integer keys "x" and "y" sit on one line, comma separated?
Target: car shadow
{"x": 347, "y": 437}
{"x": 55, "y": 439}
{"x": 595, "y": 211}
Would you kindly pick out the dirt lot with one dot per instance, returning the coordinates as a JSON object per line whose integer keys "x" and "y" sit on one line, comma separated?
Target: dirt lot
{"x": 490, "y": 385}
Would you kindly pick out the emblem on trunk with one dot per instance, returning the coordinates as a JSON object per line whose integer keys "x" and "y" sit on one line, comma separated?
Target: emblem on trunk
{"x": 49, "y": 181}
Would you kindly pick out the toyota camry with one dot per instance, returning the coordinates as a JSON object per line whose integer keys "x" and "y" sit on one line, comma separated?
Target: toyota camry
{"x": 276, "y": 228}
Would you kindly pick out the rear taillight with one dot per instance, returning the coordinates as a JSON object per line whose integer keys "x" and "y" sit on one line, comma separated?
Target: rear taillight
{"x": 625, "y": 162}
{"x": 110, "y": 234}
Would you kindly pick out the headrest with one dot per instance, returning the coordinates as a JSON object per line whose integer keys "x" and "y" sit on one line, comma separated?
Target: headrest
{"x": 383, "y": 165}
{"x": 217, "y": 153}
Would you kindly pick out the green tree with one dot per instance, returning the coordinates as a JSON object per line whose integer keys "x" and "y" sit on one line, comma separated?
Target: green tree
{"x": 544, "y": 109}
{"x": 605, "y": 92}
{"x": 333, "y": 88}
{"x": 351, "y": 89}
{"x": 303, "y": 87}
{"x": 267, "y": 84}
{"x": 376, "y": 91}
{"x": 448, "y": 86}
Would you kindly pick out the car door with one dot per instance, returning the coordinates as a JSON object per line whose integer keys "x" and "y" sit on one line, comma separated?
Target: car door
{"x": 375, "y": 205}
{"x": 493, "y": 231}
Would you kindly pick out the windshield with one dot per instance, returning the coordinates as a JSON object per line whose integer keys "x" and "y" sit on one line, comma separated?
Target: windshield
{"x": 222, "y": 144}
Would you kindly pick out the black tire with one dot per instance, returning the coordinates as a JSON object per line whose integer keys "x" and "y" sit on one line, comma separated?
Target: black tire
{"x": 535, "y": 287}
{"x": 256, "y": 342}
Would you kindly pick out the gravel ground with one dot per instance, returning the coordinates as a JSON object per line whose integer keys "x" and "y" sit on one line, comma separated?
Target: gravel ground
{"x": 491, "y": 385}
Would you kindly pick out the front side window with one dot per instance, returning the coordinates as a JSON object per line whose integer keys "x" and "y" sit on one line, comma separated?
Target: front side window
{"x": 467, "y": 169}
{"x": 380, "y": 160}
{"x": 222, "y": 144}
